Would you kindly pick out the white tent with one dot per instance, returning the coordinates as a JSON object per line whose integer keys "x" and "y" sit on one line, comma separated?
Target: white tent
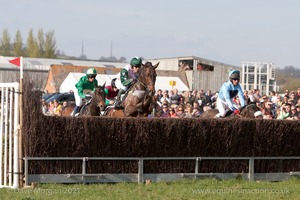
{"x": 69, "y": 83}
{"x": 162, "y": 82}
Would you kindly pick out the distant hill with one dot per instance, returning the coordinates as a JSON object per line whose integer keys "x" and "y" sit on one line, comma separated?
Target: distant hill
{"x": 287, "y": 78}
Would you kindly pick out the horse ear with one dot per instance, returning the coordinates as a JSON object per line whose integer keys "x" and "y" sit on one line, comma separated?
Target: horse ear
{"x": 156, "y": 65}
{"x": 104, "y": 84}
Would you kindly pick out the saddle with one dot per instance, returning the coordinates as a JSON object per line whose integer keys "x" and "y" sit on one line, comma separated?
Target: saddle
{"x": 228, "y": 113}
{"x": 87, "y": 102}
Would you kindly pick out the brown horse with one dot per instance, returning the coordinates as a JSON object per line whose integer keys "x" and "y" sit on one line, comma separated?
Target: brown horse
{"x": 140, "y": 95}
{"x": 139, "y": 98}
{"x": 249, "y": 111}
{"x": 112, "y": 112}
{"x": 68, "y": 109}
{"x": 96, "y": 105}
{"x": 93, "y": 107}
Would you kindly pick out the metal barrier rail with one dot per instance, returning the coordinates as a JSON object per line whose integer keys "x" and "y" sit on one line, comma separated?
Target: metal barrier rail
{"x": 9, "y": 135}
{"x": 141, "y": 160}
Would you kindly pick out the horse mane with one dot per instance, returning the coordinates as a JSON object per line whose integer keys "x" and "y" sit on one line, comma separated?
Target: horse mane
{"x": 249, "y": 110}
{"x": 250, "y": 107}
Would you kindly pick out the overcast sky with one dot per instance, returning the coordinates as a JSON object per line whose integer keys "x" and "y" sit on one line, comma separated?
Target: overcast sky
{"x": 228, "y": 31}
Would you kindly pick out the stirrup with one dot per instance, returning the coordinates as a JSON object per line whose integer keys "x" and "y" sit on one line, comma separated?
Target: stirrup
{"x": 118, "y": 105}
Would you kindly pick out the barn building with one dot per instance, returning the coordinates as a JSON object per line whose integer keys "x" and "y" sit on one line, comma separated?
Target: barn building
{"x": 184, "y": 73}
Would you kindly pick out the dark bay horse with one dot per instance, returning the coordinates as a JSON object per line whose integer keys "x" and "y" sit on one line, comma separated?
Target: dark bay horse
{"x": 248, "y": 111}
{"x": 96, "y": 104}
{"x": 140, "y": 96}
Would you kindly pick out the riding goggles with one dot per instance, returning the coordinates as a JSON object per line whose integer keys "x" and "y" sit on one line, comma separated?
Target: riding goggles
{"x": 91, "y": 76}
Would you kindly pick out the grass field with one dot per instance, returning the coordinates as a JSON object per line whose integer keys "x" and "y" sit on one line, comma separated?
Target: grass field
{"x": 184, "y": 189}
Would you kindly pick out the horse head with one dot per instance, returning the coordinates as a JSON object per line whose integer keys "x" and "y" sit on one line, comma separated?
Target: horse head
{"x": 250, "y": 111}
{"x": 99, "y": 97}
{"x": 147, "y": 77}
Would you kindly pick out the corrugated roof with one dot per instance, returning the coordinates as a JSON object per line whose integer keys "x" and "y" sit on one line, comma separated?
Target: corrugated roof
{"x": 44, "y": 63}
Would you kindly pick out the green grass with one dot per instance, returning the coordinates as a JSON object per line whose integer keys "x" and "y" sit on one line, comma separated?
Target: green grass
{"x": 185, "y": 189}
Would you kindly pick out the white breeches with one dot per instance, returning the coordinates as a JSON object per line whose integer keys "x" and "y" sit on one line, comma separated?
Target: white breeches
{"x": 223, "y": 107}
{"x": 119, "y": 84}
{"x": 78, "y": 99}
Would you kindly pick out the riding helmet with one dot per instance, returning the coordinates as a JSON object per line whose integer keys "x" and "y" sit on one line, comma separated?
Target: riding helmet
{"x": 113, "y": 82}
{"x": 91, "y": 71}
{"x": 234, "y": 74}
{"x": 136, "y": 61}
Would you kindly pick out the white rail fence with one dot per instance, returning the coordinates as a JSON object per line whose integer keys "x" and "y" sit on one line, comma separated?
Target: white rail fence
{"x": 9, "y": 132}
{"x": 141, "y": 177}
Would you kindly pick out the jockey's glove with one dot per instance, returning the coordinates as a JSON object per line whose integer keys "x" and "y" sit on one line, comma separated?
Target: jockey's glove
{"x": 237, "y": 112}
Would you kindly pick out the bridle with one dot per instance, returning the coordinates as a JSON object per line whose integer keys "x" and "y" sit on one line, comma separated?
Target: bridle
{"x": 139, "y": 77}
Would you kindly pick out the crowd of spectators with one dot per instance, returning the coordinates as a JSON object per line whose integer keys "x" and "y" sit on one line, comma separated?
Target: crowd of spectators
{"x": 53, "y": 108}
{"x": 190, "y": 104}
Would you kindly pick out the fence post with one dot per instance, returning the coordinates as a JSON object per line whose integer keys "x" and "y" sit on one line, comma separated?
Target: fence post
{"x": 26, "y": 171}
{"x": 141, "y": 171}
{"x": 251, "y": 169}
{"x": 84, "y": 159}
{"x": 196, "y": 167}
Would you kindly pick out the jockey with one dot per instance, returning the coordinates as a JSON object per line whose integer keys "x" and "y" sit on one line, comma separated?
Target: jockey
{"x": 127, "y": 77}
{"x": 111, "y": 92}
{"x": 228, "y": 91}
{"x": 85, "y": 84}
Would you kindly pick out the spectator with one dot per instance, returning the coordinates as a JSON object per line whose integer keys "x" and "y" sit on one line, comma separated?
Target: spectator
{"x": 166, "y": 112}
{"x": 237, "y": 102}
{"x": 50, "y": 107}
{"x": 172, "y": 113}
{"x": 187, "y": 97}
{"x": 293, "y": 99}
{"x": 285, "y": 111}
{"x": 285, "y": 99}
{"x": 165, "y": 97}
{"x": 297, "y": 94}
{"x": 251, "y": 98}
{"x": 188, "y": 111}
{"x": 45, "y": 107}
{"x": 159, "y": 95}
{"x": 246, "y": 96}
{"x": 176, "y": 98}
{"x": 207, "y": 98}
{"x": 57, "y": 110}
{"x": 279, "y": 101}
{"x": 298, "y": 109}
{"x": 256, "y": 95}
{"x": 273, "y": 97}
{"x": 196, "y": 112}
{"x": 294, "y": 114}
{"x": 180, "y": 112}
{"x": 267, "y": 110}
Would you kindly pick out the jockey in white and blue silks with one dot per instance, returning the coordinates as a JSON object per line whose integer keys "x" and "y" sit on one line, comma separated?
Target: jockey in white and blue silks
{"x": 228, "y": 91}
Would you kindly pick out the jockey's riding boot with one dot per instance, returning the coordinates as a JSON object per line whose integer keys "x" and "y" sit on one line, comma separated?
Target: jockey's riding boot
{"x": 75, "y": 111}
{"x": 118, "y": 100}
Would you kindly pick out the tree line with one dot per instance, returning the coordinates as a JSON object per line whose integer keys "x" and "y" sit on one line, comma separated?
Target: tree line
{"x": 43, "y": 45}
